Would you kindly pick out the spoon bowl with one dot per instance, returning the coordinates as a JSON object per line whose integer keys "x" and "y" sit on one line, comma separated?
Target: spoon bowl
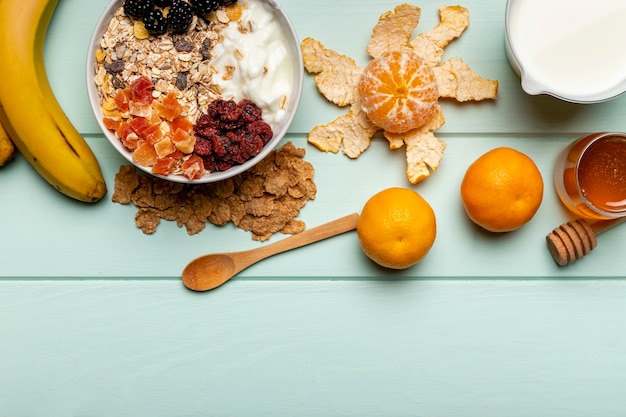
{"x": 210, "y": 271}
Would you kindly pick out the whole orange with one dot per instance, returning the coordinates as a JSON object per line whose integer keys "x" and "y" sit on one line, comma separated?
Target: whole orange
{"x": 396, "y": 228}
{"x": 502, "y": 190}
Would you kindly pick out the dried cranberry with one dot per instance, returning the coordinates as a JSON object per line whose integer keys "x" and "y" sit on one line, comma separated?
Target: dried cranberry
{"x": 209, "y": 163}
{"x": 251, "y": 146}
{"x": 251, "y": 112}
{"x": 224, "y": 110}
{"x": 223, "y": 166}
{"x": 202, "y": 146}
{"x": 261, "y": 129}
{"x": 206, "y": 126}
{"x": 221, "y": 145}
{"x": 230, "y": 133}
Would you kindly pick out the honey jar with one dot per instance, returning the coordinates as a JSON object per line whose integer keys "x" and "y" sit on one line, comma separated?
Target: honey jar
{"x": 590, "y": 176}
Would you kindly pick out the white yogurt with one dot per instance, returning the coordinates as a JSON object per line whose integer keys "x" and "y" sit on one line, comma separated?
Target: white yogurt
{"x": 570, "y": 48}
{"x": 263, "y": 68}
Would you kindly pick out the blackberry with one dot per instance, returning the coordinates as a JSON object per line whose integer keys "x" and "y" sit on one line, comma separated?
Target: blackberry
{"x": 137, "y": 8}
{"x": 204, "y": 7}
{"x": 155, "y": 22}
{"x": 163, "y": 3}
{"x": 180, "y": 16}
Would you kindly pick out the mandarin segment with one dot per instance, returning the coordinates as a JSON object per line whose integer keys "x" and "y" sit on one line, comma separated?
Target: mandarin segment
{"x": 398, "y": 91}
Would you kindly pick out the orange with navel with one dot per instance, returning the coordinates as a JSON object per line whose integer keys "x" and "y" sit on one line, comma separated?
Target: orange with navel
{"x": 502, "y": 190}
{"x": 396, "y": 228}
{"x": 398, "y": 91}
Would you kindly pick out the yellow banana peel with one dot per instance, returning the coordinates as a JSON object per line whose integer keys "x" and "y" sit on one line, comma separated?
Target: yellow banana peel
{"x": 7, "y": 149}
{"x": 29, "y": 110}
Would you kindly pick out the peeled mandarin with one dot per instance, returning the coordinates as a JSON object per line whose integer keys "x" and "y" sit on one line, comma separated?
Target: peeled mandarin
{"x": 398, "y": 91}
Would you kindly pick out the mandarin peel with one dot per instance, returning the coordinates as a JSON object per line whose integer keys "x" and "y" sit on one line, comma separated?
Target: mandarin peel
{"x": 338, "y": 79}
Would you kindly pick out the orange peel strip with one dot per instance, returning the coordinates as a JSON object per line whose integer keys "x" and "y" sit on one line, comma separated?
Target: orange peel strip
{"x": 453, "y": 22}
{"x": 353, "y": 130}
{"x": 337, "y": 75}
{"x": 393, "y": 29}
{"x": 457, "y": 80}
{"x": 423, "y": 150}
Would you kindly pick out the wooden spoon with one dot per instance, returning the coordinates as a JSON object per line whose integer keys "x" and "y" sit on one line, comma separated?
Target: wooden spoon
{"x": 211, "y": 271}
{"x": 572, "y": 240}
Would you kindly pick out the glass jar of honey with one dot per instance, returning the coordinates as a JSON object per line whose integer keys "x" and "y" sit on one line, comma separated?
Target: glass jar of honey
{"x": 590, "y": 176}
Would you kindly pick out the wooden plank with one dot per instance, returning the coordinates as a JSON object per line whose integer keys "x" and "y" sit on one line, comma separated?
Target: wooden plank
{"x": 70, "y": 239}
{"x": 346, "y": 27}
{"x": 313, "y": 348}
{"x": 94, "y": 320}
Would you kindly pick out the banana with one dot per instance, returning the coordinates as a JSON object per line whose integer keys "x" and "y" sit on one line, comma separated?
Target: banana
{"x": 7, "y": 149}
{"x": 29, "y": 110}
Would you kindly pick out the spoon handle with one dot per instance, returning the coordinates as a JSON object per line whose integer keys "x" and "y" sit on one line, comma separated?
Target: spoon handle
{"x": 315, "y": 234}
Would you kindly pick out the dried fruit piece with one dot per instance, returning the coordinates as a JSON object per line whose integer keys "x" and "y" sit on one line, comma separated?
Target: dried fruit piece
{"x": 230, "y": 134}
{"x": 139, "y": 30}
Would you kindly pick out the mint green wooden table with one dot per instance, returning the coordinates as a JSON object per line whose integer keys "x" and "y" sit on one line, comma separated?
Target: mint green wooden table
{"x": 94, "y": 320}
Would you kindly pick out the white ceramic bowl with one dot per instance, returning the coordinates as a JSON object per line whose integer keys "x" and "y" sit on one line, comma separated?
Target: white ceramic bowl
{"x": 279, "y": 129}
{"x": 572, "y": 50}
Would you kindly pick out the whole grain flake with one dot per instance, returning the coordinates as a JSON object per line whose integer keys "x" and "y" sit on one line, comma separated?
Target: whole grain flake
{"x": 263, "y": 200}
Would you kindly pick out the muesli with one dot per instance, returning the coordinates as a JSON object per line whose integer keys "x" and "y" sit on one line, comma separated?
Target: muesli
{"x": 161, "y": 67}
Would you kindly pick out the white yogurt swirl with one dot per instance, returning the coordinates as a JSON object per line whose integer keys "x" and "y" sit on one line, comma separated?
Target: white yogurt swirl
{"x": 253, "y": 61}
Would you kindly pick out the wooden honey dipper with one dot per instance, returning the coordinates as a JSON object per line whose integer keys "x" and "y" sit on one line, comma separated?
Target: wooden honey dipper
{"x": 572, "y": 240}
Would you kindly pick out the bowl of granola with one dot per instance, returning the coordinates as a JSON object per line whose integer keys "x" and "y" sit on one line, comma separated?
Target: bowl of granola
{"x": 194, "y": 91}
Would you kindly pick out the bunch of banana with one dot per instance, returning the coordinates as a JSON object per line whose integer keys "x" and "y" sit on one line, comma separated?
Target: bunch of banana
{"x": 7, "y": 150}
{"x": 30, "y": 112}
